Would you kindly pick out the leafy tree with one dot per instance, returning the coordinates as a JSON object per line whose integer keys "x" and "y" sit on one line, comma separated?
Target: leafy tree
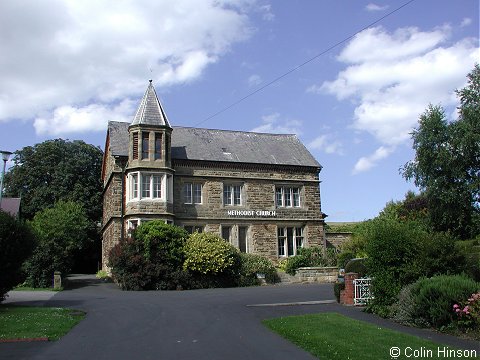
{"x": 447, "y": 163}
{"x": 16, "y": 244}
{"x": 152, "y": 259}
{"x": 61, "y": 232}
{"x": 57, "y": 170}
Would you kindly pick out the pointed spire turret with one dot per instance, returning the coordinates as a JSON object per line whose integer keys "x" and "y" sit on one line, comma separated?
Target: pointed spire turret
{"x": 150, "y": 111}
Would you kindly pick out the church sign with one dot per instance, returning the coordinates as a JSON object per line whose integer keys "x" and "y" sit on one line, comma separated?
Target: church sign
{"x": 252, "y": 213}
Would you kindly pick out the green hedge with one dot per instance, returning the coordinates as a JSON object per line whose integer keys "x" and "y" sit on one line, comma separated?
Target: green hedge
{"x": 429, "y": 301}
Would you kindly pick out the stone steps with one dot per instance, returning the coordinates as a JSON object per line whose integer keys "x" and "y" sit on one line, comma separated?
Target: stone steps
{"x": 286, "y": 279}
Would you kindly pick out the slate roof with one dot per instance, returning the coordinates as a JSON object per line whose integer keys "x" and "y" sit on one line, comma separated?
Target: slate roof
{"x": 150, "y": 111}
{"x": 239, "y": 146}
{"x": 224, "y": 146}
{"x": 118, "y": 133}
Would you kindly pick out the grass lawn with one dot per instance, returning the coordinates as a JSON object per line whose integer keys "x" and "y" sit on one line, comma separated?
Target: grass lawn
{"x": 333, "y": 336}
{"x": 26, "y": 288}
{"x": 19, "y": 322}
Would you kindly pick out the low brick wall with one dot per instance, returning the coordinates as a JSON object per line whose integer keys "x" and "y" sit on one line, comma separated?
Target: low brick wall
{"x": 317, "y": 274}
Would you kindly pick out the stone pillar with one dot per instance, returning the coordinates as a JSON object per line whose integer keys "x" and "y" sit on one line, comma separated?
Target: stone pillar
{"x": 57, "y": 280}
{"x": 347, "y": 296}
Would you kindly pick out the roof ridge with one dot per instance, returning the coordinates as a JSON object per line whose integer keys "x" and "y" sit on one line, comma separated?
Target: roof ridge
{"x": 234, "y": 131}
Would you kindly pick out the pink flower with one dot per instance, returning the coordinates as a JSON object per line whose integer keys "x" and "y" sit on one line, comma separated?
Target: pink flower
{"x": 456, "y": 306}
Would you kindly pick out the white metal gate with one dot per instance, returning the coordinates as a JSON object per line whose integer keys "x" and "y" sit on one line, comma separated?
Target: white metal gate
{"x": 362, "y": 291}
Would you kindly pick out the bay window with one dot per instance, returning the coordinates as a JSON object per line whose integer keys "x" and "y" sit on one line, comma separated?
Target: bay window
{"x": 151, "y": 186}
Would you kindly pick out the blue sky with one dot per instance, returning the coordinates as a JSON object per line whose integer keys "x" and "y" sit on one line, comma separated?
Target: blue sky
{"x": 68, "y": 67}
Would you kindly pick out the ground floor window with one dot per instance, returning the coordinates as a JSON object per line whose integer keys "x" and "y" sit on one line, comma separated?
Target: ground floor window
{"x": 236, "y": 235}
{"x": 290, "y": 239}
{"x": 132, "y": 224}
{"x": 193, "y": 228}
{"x": 226, "y": 233}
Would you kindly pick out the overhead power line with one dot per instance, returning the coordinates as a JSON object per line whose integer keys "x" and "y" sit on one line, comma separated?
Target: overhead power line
{"x": 278, "y": 78}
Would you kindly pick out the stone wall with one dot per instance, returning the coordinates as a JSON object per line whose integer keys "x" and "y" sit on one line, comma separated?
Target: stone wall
{"x": 258, "y": 194}
{"x": 336, "y": 239}
{"x": 111, "y": 236}
{"x": 317, "y": 274}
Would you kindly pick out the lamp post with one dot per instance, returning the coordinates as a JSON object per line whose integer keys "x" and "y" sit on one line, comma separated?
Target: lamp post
{"x": 5, "y": 157}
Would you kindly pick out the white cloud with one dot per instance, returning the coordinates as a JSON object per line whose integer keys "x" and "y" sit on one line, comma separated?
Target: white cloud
{"x": 375, "y": 7}
{"x": 272, "y": 123}
{"x": 327, "y": 144}
{"x": 266, "y": 10}
{"x": 392, "y": 77}
{"x": 367, "y": 162}
{"x": 68, "y": 119}
{"x": 466, "y": 22}
{"x": 254, "y": 80}
{"x": 78, "y": 57}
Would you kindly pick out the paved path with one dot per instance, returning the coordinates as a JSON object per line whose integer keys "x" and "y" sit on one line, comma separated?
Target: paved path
{"x": 200, "y": 324}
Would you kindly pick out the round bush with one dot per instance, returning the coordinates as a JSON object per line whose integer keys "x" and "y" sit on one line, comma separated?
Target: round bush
{"x": 151, "y": 260}
{"x": 16, "y": 244}
{"x": 356, "y": 266}
{"x": 344, "y": 257}
{"x": 207, "y": 253}
{"x": 429, "y": 301}
{"x": 253, "y": 264}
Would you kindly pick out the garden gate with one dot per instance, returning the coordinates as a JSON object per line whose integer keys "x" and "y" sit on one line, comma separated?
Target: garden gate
{"x": 362, "y": 291}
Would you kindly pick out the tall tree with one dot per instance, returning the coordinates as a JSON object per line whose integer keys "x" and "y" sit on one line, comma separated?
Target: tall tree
{"x": 447, "y": 162}
{"x": 61, "y": 232}
{"x": 57, "y": 170}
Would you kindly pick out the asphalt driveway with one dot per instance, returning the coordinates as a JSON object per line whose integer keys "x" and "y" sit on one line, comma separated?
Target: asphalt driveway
{"x": 200, "y": 324}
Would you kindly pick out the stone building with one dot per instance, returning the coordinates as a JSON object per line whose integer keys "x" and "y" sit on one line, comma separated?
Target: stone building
{"x": 260, "y": 192}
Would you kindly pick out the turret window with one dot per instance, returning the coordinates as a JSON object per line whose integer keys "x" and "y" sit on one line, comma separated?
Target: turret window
{"x": 135, "y": 146}
{"x": 158, "y": 146}
{"x": 145, "y": 141}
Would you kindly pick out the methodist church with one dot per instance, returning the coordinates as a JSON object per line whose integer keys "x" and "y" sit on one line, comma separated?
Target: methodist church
{"x": 260, "y": 192}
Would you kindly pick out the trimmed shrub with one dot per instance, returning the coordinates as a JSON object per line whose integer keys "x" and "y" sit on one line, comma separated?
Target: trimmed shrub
{"x": 295, "y": 262}
{"x": 211, "y": 261}
{"x": 344, "y": 257}
{"x": 152, "y": 259}
{"x": 391, "y": 249}
{"x": 253, "y": 264}
{"x": 16, "y": 244}
{"x": 311, "y": 256}
{"x": 356, "y": 266}
{"x": 207, "y": 253}
{"x": 430, "y": 301}
{"x": 470, "y": 250}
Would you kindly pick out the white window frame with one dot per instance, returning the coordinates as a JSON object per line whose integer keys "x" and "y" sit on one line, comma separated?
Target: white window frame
{"x": 190, "y": 193}
{"x": 160, "y": 186}
{"x": 229, "y": 194}
{"x": 290, "y": 196}
{"x": 297, "y": 238}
